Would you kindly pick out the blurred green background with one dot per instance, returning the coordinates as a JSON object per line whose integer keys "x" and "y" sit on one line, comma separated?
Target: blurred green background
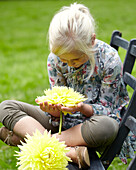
{"x": 24, "y": 48}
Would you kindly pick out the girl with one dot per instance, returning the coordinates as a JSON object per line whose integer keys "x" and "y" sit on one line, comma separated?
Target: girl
{"x": 89, "y": 66}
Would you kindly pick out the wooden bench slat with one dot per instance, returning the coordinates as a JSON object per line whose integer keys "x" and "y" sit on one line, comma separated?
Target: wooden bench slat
{"x": 132, "y": 165}
{"x": 130, "y": 57}
{"x": 130, "y": 80}
{"x": 133, "y": 50}
{"x": 131, "y": 124}
{"x": 119, "y": 41}
{"x": 95, "y": 162}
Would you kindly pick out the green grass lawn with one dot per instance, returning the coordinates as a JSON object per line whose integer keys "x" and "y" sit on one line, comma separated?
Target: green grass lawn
{"x": 24, "y": 49}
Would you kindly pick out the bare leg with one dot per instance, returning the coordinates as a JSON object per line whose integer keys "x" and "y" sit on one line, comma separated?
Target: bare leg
{"x": 72, "y": 136}
{"x": 27, "y": 125}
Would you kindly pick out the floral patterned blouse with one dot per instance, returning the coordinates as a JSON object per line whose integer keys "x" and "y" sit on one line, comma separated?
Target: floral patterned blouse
{"x": 105, "y": 89}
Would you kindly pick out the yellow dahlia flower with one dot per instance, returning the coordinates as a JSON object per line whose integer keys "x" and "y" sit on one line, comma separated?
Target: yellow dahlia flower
{"x": 42, "y": 152}
{"x": 61, "y": 95}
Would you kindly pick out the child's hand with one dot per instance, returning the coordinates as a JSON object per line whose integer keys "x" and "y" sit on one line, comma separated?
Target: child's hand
{"x": 72, "y": 109}
{"x": 85, "y": 109}
{"x": 50, "y": 108}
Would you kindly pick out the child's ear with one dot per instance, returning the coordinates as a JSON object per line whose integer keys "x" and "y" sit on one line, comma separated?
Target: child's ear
{"x": 93, "y": 37}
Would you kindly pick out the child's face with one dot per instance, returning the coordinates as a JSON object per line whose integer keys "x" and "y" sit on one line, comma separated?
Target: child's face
{"x": 74, "y": 59}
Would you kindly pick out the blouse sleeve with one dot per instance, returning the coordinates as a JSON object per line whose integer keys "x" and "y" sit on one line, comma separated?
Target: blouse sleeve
{"x": 55, "y": 66}
{"x": 110, "y": 99}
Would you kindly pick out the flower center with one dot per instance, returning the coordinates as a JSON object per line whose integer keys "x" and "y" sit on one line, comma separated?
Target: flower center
{"x": 47, "y": 154}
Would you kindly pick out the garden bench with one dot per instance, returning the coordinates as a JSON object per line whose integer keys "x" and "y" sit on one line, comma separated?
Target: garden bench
{"x": 128, "y": 122}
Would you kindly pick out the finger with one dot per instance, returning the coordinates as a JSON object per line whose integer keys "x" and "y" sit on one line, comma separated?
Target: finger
{"x": 42, "y": 107}
{"x": 59, "y": 106}
{"x": 45, "y": 103}
{"x": 36, "y": 100}
{"x": 68, "y": 109}
{"x": 81, "y": 103}
{"x": 41, "y": 104}
{"x": 51, "y": 107}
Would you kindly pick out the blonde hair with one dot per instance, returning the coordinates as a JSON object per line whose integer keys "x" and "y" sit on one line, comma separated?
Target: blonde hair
{"x": 71, "y": 29}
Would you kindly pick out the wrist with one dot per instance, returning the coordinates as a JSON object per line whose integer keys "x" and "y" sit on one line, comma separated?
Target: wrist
{"x": 87, "y": 110}
{"x": 57, "y": 114}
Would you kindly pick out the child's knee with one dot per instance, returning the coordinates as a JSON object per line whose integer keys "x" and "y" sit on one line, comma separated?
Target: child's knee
{"x": 99, "y": 131}
{"x": 10, "y": 113}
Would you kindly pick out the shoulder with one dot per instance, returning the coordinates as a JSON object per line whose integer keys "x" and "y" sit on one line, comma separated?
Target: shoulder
{"x": 106, "y": 54}
{"x": 53, "y": 60}
{"x": 103, "y": 47}
{"x": 52, "y": 57}
{"x": 107, "y": 60}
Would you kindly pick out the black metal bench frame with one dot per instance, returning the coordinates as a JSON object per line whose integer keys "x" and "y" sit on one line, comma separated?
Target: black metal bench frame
{"x": 128, "y": 122}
